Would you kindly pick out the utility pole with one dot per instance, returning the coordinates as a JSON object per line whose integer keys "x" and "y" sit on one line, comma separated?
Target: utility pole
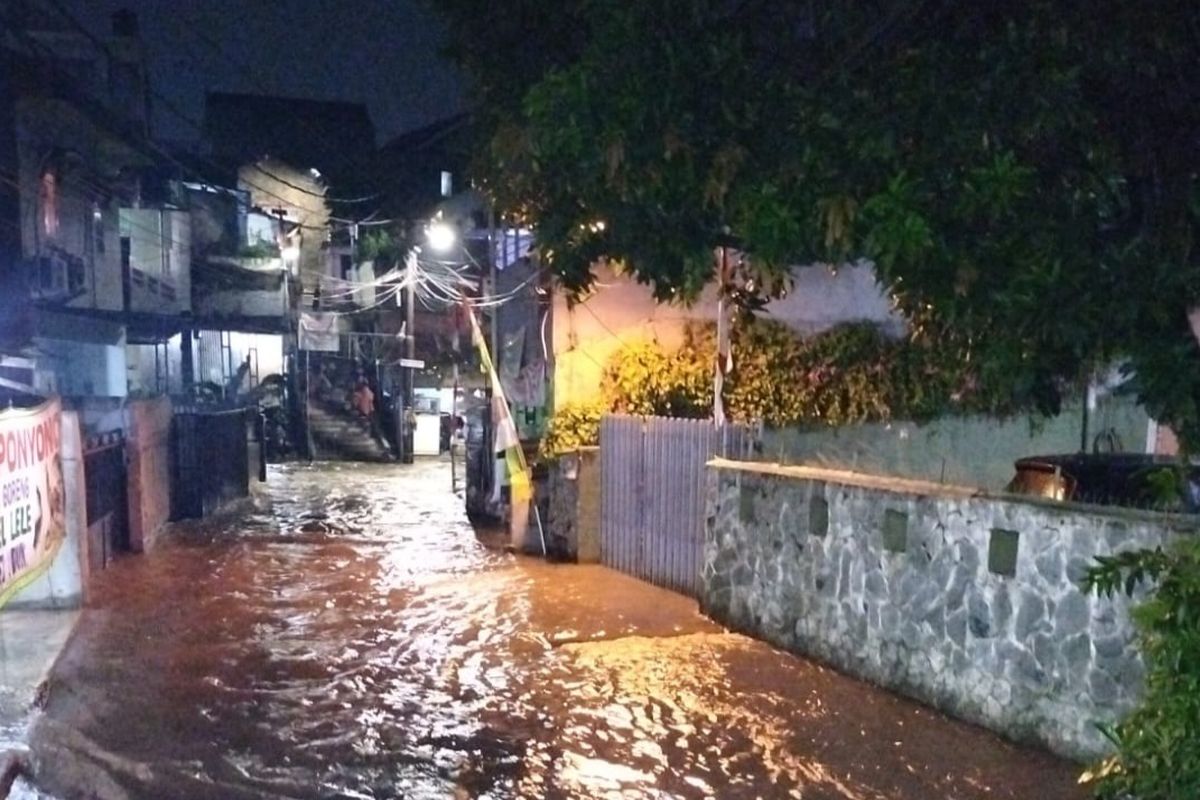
{"x": 722, "y": 356}
{"x": 495, "y": 332}
{"x": 410, "y": 350}
{"x": 454, "y": 424}
{"x": 492, "y": 481}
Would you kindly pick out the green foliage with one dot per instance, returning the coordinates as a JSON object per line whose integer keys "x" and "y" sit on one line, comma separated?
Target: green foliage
{"x": 643, "y": 379}
{"x": 852, "y": 373}
{"x": 849, "y": 374}
{"x": 1040, "y": 200}
{"x": 1165, "y": 488}
{"x": 379, "y": 246}
{"x": 573, "y": 426}
{"x": 1158, "y": 745}
{"x": 259, "y": 249}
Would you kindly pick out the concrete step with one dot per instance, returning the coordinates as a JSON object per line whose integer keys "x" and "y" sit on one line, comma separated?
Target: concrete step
{"x": 341, "y": 434}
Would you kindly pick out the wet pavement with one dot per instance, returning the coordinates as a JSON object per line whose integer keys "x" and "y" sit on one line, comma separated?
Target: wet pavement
{"x": 348, "y": 636}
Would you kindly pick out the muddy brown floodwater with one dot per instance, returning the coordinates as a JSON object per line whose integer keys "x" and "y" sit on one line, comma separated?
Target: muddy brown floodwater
{"x": 349, "y": 637}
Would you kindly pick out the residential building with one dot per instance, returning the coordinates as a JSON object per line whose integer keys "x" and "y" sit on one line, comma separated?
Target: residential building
{"x": 97, "y": 243}
{"x": 337, "y": 139}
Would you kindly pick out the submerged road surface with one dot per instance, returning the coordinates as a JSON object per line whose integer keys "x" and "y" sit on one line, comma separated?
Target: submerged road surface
{"x": 349, "y": 637}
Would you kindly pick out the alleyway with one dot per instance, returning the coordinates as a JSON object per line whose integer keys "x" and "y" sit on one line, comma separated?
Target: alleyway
{"x": 350, "y": 638}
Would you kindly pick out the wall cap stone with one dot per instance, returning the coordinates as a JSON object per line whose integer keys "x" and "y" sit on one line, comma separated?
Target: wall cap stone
{"x": 1179, "y": 523}
{"x": 863, "y": 479}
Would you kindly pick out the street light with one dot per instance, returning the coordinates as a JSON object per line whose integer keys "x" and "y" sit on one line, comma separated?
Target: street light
{"x": 441, "y": 236}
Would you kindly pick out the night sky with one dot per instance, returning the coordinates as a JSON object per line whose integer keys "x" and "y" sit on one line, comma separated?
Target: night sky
{"x": 381, "y": 52}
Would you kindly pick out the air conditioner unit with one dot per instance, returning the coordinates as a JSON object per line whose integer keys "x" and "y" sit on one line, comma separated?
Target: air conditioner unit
{"x": 48, "y": 277}
{"x": 56, "y": 276}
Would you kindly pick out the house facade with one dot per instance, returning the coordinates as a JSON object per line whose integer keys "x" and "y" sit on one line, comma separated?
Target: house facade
{"x": 97, "y": 253}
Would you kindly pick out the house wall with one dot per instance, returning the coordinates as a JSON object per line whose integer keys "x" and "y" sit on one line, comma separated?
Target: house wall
{"x": 160, "y": 259}
{"x": 364, "y": 295}
{"x": 46, "y": 129}
{"x": 84, "y": 368}
{"x": 969, "y": 603}
{"x": 243, "y": 303}
{"x": 277, "y": 187}
{"x": 77, "y": 356}
{"x": 620, "y": 311}
{"x": 261, "y": 228}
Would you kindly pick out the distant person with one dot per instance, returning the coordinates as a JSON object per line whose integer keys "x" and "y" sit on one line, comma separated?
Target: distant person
{"x": 364, "y": 400}
{"x": 323, "y": 386}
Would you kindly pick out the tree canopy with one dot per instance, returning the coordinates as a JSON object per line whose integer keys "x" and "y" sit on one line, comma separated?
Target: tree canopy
{"x": 1023, "y": 174}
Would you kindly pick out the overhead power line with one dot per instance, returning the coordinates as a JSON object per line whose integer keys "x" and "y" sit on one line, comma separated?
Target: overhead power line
{"x": 167, "y": 103}
{"x": 310, "y": 192}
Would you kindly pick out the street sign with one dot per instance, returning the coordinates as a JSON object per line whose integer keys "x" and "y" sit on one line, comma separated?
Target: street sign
{"x": 412, "y": 363}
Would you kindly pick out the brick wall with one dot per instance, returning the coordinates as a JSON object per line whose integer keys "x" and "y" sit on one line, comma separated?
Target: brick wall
{"x": 148, "y": 426}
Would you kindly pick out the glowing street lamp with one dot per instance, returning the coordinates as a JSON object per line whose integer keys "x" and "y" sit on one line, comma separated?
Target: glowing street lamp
{"x": 441, "y": 236}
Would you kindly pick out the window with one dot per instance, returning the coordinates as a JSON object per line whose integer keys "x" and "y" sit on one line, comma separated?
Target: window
{"x": 97, "y": 229}
{"x": 165, "y": 239}
{"x": 49, "y": 202}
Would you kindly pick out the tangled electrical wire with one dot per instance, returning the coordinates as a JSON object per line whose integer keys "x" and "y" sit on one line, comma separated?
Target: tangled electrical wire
{"x": 434, "y": 283}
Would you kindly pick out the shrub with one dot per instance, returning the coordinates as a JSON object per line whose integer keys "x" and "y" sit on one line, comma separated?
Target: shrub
{"x": 849, "y": 374}
{"x": 259, "y": 249}
{"x": 573, "y": 426}
{"x": 644, "y": 379}
{"x": 1158, "y": 744}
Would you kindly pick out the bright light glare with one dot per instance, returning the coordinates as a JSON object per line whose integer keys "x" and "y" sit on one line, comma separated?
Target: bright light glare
{"x": 290, "y": 253}
{"x": 441, "y": 236}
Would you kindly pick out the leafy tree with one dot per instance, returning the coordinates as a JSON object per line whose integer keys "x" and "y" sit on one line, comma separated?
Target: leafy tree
{"x": 1024, "y": 174}
{"x": 379, "y": 246}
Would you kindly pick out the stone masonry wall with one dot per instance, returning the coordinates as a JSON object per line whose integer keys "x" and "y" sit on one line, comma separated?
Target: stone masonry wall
{"x": 569, "y": 499}
{"x": 967, "y": 602}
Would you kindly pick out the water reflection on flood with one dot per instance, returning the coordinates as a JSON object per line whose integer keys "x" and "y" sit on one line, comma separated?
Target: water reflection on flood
{"x": 349, "y": 638}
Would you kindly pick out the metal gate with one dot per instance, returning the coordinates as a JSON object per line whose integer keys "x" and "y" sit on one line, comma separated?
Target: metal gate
{"x": 210, "y": 460}
{"x": 105, "y": 477}
{"x": 652, "y": 494}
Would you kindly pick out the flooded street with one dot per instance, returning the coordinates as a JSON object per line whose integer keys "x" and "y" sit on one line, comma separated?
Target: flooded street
{"x": 349, "y": 637}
